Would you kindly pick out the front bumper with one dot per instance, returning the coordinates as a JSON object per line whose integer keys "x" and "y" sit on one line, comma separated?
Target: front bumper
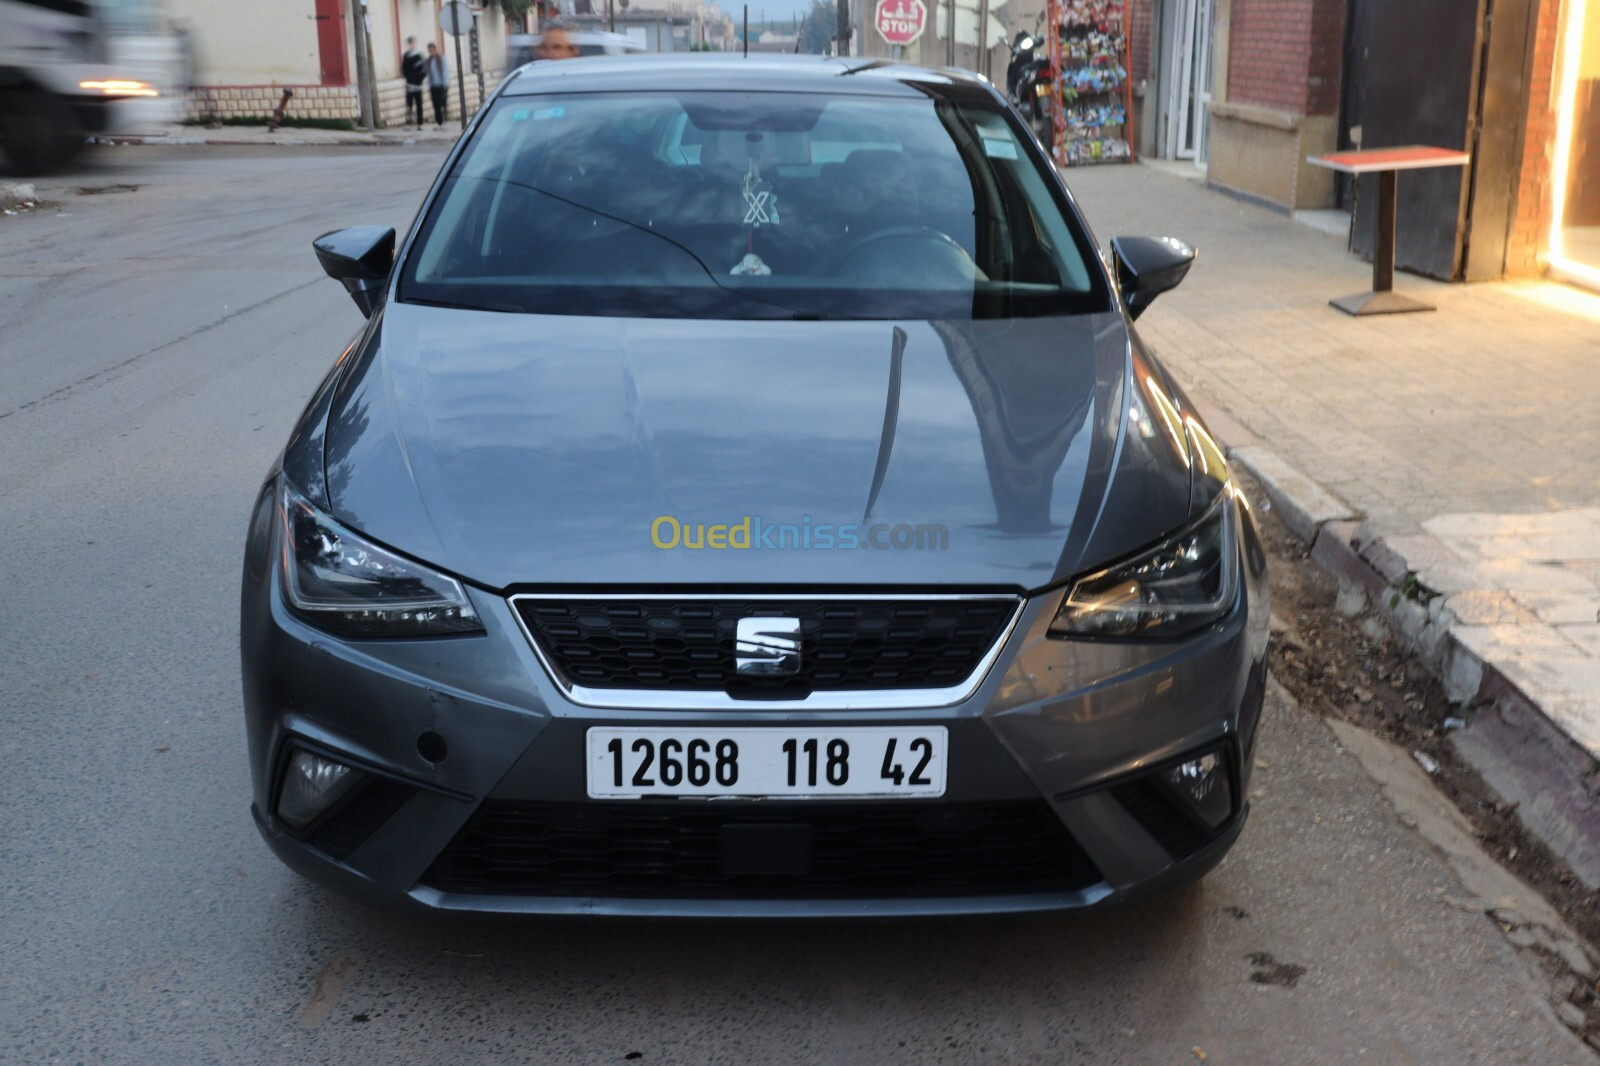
{"x": 1067, "y": 727}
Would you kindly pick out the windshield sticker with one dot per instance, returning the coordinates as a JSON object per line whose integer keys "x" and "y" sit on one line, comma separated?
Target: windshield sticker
{"x": 999, "y": 149}
{"x": 550, "y": 112}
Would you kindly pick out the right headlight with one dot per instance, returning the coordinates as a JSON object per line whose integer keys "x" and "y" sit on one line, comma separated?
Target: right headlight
{"x": 1184, "y": 583}
{"x": 339, "y": 580}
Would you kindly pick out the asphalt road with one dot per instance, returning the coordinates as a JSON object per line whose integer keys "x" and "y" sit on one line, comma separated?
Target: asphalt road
{"x": 155, "y": 346}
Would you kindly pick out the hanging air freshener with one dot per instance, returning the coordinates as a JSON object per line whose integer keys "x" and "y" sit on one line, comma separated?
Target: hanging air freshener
{"x": 761, "y": 202}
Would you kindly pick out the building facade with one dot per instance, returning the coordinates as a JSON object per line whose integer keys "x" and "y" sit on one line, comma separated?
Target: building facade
{"x": 1555, "y": 224}
{"x": 657, "y": 25}
{"x": 1247, "y": 89}
{"x": 245, "y": 55}
{"x": 1514, "y": 82}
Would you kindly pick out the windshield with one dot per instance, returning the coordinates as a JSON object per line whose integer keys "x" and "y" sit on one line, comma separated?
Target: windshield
{"x": 129, "y": 16}
{"x": 752, "y": 205}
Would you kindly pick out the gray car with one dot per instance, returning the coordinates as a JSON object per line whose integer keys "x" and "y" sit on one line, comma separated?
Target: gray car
{"x": 748, "y": 495}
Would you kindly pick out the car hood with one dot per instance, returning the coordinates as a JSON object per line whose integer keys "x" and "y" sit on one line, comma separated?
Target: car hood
{"x": 518, "y": 449}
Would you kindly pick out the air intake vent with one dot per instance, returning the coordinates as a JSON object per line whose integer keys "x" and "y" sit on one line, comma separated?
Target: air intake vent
{"x": 679, "y": 851}
{"x": 349, "y": 825}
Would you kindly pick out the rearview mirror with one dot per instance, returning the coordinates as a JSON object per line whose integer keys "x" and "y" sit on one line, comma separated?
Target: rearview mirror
{"x": 359, "y": 258}
{"x": 1147, "y": 267}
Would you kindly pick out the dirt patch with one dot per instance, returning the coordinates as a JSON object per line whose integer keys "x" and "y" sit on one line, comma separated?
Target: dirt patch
{"x": 1338, "y": 659}
{"x": 1269, "y": 971}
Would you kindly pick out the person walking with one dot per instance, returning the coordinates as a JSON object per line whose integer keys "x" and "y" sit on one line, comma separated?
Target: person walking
{"x": 438, "y": 81}
{"x": 414, "y": 69}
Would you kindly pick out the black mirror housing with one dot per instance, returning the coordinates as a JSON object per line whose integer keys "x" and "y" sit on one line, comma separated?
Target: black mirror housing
{"x": 360, "y": 259}
{"x": 1147, "y": 267}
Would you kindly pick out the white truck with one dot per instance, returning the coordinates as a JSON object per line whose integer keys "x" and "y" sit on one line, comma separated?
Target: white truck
{"x": 70, "y": 69}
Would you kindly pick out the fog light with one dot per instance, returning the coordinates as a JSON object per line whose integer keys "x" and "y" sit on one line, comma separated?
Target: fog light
{"x": 1202, "y": 786}
{"x": 312, "y": 784}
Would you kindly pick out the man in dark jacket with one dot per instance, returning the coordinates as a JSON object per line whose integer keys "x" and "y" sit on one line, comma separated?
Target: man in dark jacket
{"x": 438, "y": 82}
{"x": 414, "y": 69}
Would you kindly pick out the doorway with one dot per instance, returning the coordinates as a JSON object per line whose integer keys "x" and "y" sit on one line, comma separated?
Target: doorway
{"x": 331, "y": 44}
{"x": 1185, "y": 50}
{"x": 1575, "y": 171}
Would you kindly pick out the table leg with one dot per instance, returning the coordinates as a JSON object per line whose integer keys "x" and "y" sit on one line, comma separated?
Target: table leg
{"x": 1383, "y": 254}
{"x": 1382, "y": 300}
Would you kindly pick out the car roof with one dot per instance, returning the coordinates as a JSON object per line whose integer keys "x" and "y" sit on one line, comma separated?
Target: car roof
{"x": 580, "y": 37}
{"x": 731, "y": 71}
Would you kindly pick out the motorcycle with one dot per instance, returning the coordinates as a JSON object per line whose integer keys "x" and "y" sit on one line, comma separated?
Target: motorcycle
{"x": 1030, "y": 86}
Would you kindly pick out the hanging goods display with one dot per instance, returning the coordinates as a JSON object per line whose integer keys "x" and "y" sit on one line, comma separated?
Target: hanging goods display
{"x": 1092, "y": 98}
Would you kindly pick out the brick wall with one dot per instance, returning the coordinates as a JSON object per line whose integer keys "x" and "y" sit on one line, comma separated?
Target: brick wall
{"x": 392, "y": 99}
{"x": 1531, "y": 227}
{"x": 1141, "y": 24}
{"x": 309, "y": 101}
{"x": 324, "y": 101}
{"x": 1325, "y": 64}
{"x": 1287, "y": 55}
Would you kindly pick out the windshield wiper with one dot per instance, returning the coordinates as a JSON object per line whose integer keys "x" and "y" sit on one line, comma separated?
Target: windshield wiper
{"x": 711, "y": 274}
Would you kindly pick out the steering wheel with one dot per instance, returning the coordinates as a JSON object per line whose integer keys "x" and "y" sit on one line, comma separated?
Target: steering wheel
{"x": 939, "y": 253}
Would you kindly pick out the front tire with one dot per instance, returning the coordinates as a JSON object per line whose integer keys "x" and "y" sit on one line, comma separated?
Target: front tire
{"x": 39, "y": 132}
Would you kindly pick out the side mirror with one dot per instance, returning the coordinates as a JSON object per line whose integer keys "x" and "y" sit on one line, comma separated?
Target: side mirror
{"x": 360, "y": 259}
{"x": 1147, "y": 267}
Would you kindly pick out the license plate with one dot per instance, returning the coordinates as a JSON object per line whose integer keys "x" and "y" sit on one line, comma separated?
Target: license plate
{"x": 768, "y": 762}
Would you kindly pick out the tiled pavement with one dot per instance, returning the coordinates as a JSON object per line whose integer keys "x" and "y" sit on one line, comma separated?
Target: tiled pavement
{"x": 1468, "y": 438}
{"x": 1489, "y": 404}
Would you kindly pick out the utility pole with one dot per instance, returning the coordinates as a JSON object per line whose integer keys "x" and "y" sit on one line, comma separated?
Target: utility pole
{"x": 358, "y": 30}
{"x": 461, "y": 81}
{"x": 982, "y": 65}
{"x": 372, "y": 68}
{"x": 475, "y": 53}
{"x": 844, "y": 27}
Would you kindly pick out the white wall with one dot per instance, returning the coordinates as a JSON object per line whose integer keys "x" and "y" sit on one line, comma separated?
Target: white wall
{"x": 274, "y": 42}
{"x": 251, "y": 42}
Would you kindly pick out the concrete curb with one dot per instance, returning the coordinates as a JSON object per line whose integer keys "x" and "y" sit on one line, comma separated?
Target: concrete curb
{"x": 1525, "y": 756}
{"x": 379, "y": 140}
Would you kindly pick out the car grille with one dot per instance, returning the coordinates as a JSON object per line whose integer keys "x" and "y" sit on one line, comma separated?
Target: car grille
{"x": 678, "y": 851}
{"x": 847, "y": 644}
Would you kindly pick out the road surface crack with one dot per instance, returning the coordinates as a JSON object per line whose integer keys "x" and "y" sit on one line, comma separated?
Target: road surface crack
{"x": 65, "y": 390}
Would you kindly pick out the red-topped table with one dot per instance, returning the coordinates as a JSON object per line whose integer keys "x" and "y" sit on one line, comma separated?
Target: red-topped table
{"x": 1386, "y": 163}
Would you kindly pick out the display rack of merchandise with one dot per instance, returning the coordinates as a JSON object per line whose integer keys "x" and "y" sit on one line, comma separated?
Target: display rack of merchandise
{"x": 1089, "y": 56}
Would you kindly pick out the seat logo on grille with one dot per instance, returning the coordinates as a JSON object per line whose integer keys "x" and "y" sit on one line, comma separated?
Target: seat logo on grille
{"x": 767, "y": 647}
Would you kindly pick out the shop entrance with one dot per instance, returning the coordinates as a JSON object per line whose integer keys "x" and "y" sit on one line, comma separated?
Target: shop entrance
{"x": 1575, "y": 232}
{"x": 1185, "y": 64}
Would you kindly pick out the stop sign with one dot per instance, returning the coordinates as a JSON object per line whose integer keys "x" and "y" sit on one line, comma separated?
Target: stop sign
{"x": 901, "y": 21}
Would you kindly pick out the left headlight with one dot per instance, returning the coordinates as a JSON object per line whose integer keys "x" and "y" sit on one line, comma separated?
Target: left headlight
{"x": 1188, "y": 581}
{"x": 341, "y": 582}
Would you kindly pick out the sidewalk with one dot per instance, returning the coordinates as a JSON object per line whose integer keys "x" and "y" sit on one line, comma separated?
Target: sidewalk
{"x": 1449, "y": 462}
{"x": 291, "y": 136}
